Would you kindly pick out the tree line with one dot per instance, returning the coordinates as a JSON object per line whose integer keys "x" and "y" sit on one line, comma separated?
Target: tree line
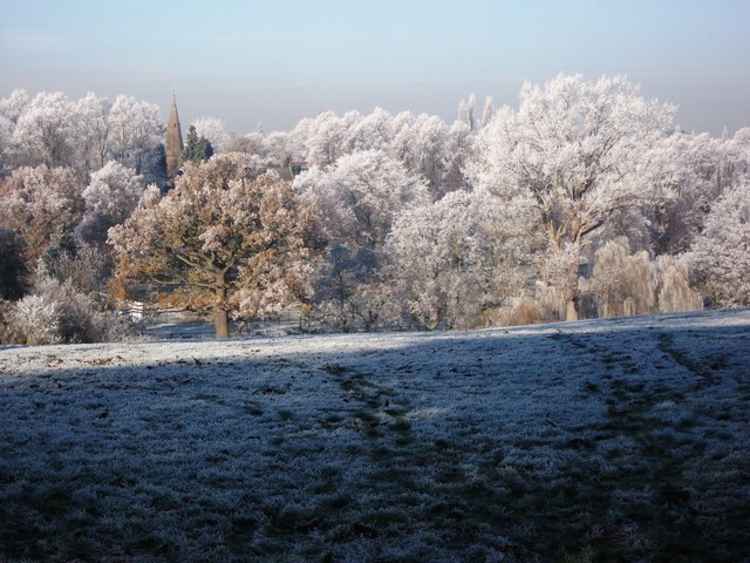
{"x": 584, "y": 200}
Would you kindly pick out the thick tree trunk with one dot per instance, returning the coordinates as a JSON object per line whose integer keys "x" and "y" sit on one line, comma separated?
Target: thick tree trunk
{"x": 567, "y": 283}
{"x": 571, "y": 312}
{"x": 221, "y": 320}
{"x": 221, "y": 323}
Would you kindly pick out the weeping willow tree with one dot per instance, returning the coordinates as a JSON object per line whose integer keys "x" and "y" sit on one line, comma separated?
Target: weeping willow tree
{"x": 625, "y": 283}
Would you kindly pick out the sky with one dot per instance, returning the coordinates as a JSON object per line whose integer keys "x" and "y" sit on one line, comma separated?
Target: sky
{"x": 267, "y": 64}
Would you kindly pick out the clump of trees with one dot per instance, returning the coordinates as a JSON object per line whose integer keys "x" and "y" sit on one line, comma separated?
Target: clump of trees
{"x": 461, "y": 257}
{"x": 68, "y": 172}
{"x": 580, "y": 151}
{"x": 584, "y": 200}
{"x": 51, "y": 129}
{"x": 355, "y": 202}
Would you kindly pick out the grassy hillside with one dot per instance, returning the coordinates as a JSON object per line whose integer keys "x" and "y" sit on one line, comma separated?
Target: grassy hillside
{"x": 618, "y": 440}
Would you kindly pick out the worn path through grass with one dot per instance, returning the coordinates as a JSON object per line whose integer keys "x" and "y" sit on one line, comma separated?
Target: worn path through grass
{"x": 621, "y": 440}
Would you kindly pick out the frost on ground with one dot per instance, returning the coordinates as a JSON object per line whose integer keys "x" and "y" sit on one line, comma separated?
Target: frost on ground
{"x": 599, "y": 440}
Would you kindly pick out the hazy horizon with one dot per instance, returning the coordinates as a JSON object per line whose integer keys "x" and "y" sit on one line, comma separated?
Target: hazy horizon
{"x": 249, "y": 63}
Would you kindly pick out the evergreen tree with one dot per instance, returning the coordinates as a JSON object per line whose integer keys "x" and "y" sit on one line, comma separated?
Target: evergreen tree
{"x": 197, "y": 148}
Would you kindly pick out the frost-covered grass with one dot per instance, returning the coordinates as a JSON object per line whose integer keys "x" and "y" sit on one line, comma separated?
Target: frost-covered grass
{"x": 621, "y": 440}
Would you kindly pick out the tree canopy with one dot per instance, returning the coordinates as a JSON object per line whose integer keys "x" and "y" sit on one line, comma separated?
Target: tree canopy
{"x": 234, "y": 239}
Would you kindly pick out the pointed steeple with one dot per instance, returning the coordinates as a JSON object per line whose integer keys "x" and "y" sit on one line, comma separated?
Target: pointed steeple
{"x": 173, "y": 140}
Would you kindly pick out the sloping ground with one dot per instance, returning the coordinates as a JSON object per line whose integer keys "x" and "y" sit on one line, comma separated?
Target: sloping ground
{"x": 620, "y": 440}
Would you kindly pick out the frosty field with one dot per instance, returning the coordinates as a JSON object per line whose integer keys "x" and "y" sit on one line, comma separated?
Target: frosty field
{"x": 620, "y": 440}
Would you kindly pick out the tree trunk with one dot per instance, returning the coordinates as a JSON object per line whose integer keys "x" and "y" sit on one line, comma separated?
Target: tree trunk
{"x": 571, "y": 312}
{"x": 221, "y": 321}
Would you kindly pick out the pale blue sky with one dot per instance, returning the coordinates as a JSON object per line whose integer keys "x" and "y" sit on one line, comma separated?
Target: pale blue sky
{"x": 275, "y": 62}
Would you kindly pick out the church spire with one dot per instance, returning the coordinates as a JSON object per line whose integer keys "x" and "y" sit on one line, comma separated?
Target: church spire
{"x": 173, "y": 140}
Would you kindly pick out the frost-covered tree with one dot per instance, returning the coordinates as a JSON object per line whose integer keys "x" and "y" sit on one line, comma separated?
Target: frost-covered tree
{"x": 36, "y": 320}
{"x": 114, "y": 191}
{"x": 720, "y": 256}
{"x": 41, "y": 204}
{"x": 6, "y": 139}
{"x": 322, "y": 138}
{"x": 458, "y": 257}
{"x": 212, "y": 129}
{"x": 134, "y": 128}
{"x": 91, "y": 127}
{"x": 44, "y": 133}
{"x": 279, "y": 149}
{"x": 674, "y": 292}
{"x": 251, "y": 143}
{"x": 14, "y": 105}
{"x": 355, "y": 203}
{"x": 359, "y": 197}
{"x": 467, "y": 112}
{"x": 488, "y": 112}
{"x": 737, "y": 168}
{"x": 221, "y": 236}
{"x": 11, "y": 109}
{"x": 371, "y": 131}
{"x": 582, "y": 150}
{"x": 110, "y": 197}
{"x": 622, "y": 282}
{"x": 690, "y": 172}
{"x": 81, "y": 134}
{"x": 457, "y": 150}
{"x": 86, "y": 268}
{"x": 694, "y": 170}
{"x": 626, "y": 283}
{"x": 424, "y": 144}
{"x": 56, "y": 312}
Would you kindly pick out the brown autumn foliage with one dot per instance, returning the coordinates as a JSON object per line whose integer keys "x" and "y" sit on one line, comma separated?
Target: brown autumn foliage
{"x": 223, "y": 235}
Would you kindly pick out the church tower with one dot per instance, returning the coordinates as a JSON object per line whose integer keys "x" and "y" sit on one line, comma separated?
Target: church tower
{"x": 173, "y": 140}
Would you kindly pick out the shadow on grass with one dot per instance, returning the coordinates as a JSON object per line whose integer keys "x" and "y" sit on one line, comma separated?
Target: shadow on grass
{"x": 627, "y": 444}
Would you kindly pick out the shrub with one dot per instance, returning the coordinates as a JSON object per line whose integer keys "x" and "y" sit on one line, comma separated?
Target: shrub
{"x": 36, "y": 320}
{"x": 57, "y": 313}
